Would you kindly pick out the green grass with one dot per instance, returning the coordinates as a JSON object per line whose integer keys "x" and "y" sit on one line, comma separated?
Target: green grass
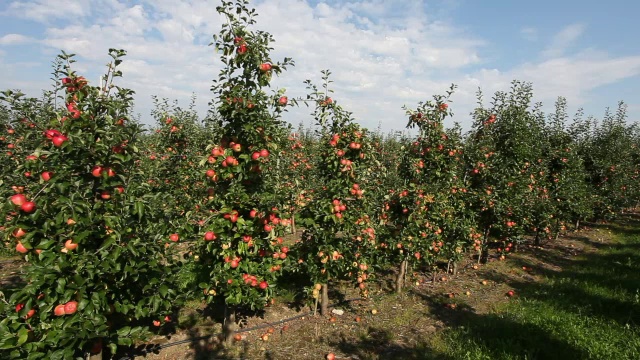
{"x": 590, "y": 310}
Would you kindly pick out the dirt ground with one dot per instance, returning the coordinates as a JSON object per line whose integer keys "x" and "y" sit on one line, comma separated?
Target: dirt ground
{"x": 387, "y": 325}
{"x": 384, "y": 326}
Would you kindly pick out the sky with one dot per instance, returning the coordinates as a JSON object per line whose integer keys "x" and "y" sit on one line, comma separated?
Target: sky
{"x": 383, "y": 54}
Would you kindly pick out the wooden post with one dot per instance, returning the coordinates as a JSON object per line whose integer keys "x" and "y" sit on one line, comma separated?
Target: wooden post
{"x": 401, "y": 274}
{"x": 324, "y": 303}
{"x": 229, "y": 326}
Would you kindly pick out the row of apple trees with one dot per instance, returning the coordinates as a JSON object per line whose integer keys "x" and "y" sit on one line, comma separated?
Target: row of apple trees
{"x": 119, "y": 225}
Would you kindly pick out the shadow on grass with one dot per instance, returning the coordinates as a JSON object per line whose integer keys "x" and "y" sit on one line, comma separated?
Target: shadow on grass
{"x": 376, "y": 343}
{"x": 588, "y": 296}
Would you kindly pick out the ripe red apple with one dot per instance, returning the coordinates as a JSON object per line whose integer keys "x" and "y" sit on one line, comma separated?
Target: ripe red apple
{"x": 30, "y": 314}
{"x": 234, "y": 263}
{"x": 96, "y": 171}
{"x": 18, "y": 199}
{"x": 263, "y": 285}
{"x": 51, "y": 133}
{"x": 59, "y": 140}
{"x": 231, "y": 161}
{"x": 46, "y": 175}
{"x": 174, "y": 237}
{"x": 28, "y": 207}
{"x": 209, "y": 236}
{"x": 253, "y": 213}
{"x": 268, "y": 228}
{"x": 156, "y": 323}
{"x": 236, "y": 147}
{"x": 255, "y": 156}
{"x": 18, "y": 233}
{"x": 71, "y": 307}
{"x": 330, "y": 356}
{"x": 510, "y": 293}
{"x": 242, "y": 49}
{"x": 105, "y": 195}
{"x": 283, "y": 100}
{"x": 265, "y": 67}
{"x": 217, "y": 151}
{"x": 264, "y": 153}
{"x": 21, "y": 249}
{"x": 59, "y": 310}
{"x": 110, "y": 172}
{"x": 70, "y": 245}
{"x": 210, "y": 173}
{"x": 167, "y": 318}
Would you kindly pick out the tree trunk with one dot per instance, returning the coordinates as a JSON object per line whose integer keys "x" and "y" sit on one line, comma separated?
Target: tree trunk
{"x": 97, "y": 356}
{"x": 577, "y": 224}
{"x": 324, "y": 302}
{"x": 401, "y": 274}
{"x": 229, "y": 326}
{"x": 537, "y": 241}
{"x": 455, "y": 268}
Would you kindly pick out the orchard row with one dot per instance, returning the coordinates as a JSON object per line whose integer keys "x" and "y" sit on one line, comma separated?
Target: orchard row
{"x": 119, "y": 227}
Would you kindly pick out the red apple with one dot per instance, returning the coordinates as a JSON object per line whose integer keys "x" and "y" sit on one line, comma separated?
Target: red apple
{"x": 70, "y": 245}
{"x": 105, "y": 195}
{"x": 234, "y": 263}
{"x": 71, "y": 307}
{"x": 283, "y": 100}
{"x": 156, "y": 323}
{"x": 253, "y": 213}
{"x": 264, "y": 153}
{"x": 59, "y": 310}
{"x": 28, "y": 207}
{"x": 263, "y": 285}
{"x": 236, "y": 147}
{"x": 18, "y": 233}
{"x": 255, "y": 156}
{"x": 242, "y": 49}
{"x": 217, "y": 151}
{"x": 174, "y": 237}
{"x": 18, "y": 199}
{"x": 59, "y": 140}
{"x": 21, "y": 249}
{"x": 330, "y": 356}
{"x": 46, "y": 175}
{"x": 96, "y": 171}
{"x": 265, "y": 67}
{"x": 209, "y": 236}
{"x": 30, "y": 314}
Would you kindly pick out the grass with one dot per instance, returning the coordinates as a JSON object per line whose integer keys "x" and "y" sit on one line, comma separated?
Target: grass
{"x": 589, "y": 310}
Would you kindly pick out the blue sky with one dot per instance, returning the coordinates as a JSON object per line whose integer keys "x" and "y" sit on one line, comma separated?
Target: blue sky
{"x": 383, "y": 54}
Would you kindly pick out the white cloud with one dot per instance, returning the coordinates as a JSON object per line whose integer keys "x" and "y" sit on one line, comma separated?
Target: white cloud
{"x": 563, "y": 40}
{"x": 15, "y": 39}
{"x": 47, "y": 10}
{"x": 383, "y": 54}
